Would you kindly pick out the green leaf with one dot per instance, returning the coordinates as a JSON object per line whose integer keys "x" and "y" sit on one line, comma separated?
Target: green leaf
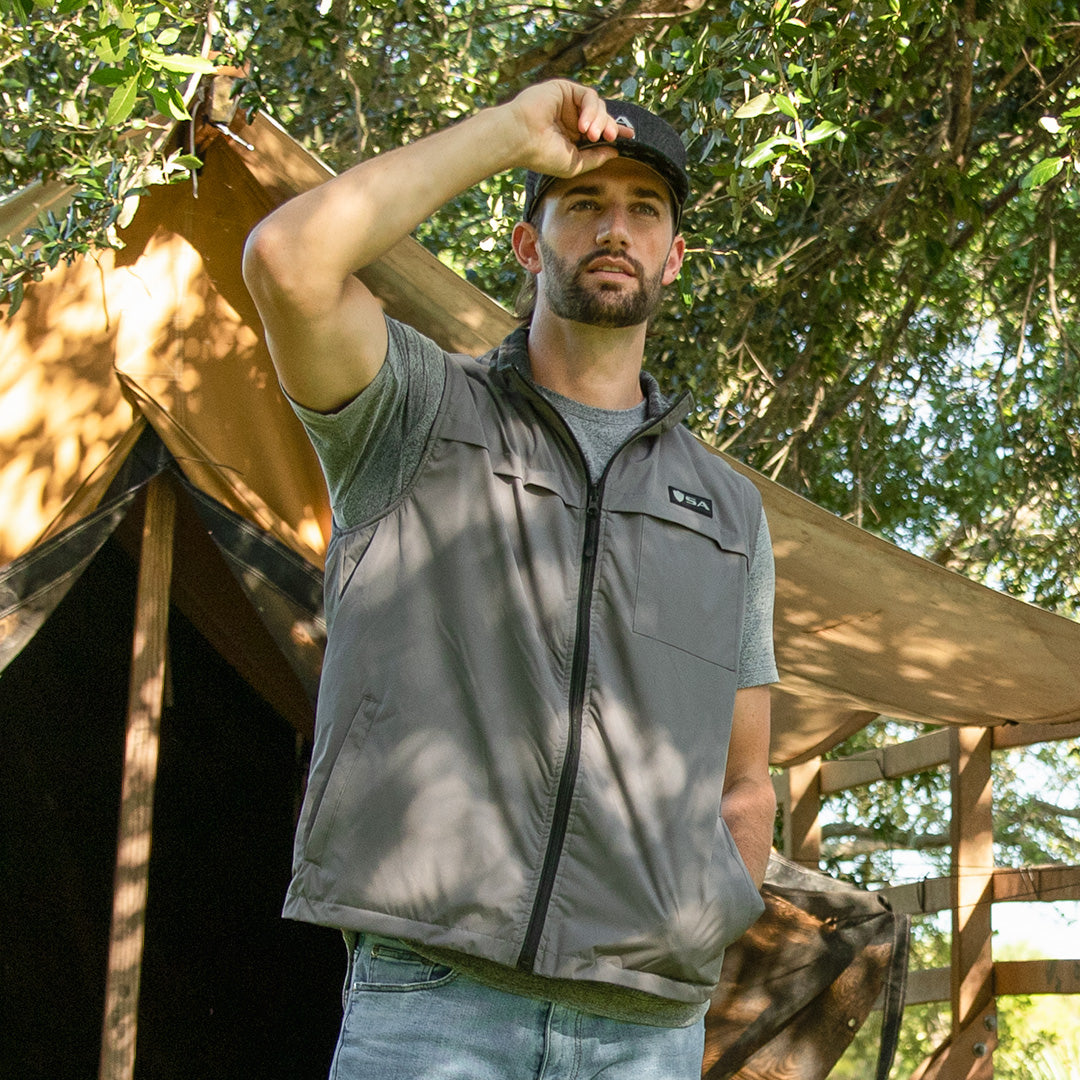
{"x": 822, "y": 131}
{"x": 181, "y": 62}
{"x": 169, "y": 103}
{"x": 1045, "y": 170}
{"x": 756, "y": 106}
{"x": 110, "y": 76}
{"x": 766, "y": 151}
{"x": 785, "y": 105}
{"x": 111, "y": 47}
{"x": 122, "y": 101}
{"x": 15, "y": 297}
{"x": 759, "y": 155}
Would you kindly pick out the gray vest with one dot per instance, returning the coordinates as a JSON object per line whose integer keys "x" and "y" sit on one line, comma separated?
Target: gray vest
{"x": 526, "y": 701}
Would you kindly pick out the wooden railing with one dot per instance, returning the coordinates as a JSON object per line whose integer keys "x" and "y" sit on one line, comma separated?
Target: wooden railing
{"x": 974, "y": 979}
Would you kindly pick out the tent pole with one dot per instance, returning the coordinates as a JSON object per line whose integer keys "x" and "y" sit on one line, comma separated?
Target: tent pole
{"x": 802, "y": 810}
{"x": 140, "y": 775}
{"x": 970, "y": 1052}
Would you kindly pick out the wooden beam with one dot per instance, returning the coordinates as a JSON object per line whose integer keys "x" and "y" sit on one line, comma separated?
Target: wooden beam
{"x": 1010, "y": 977}
{"x": 920, "y": 897}
{"x": 1010, "y": 736}
{"x": 145, "y": 695}
{"x": 802, "y": 824}
{"x": 1037, "y": 977}
{"x": 886, "y": 763}
{"x": 974, "y": 1019}
{"x": 1025, "y": 884}
{"x": 928, "y": 752}
{"x": 928, "y": 984}
{"x": 1029, "y": 883}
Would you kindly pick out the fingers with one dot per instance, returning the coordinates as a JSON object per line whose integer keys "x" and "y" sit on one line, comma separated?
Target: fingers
{"x": 595, "y": 125}
{"x": 557, "y": 118}
{"x": 592, "y": 157}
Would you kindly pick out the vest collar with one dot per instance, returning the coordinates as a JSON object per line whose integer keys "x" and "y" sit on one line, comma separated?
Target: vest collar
{"x": 512, "y": 354}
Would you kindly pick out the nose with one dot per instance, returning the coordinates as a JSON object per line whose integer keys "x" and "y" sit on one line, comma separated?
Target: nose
{"x": 612, "y": 230}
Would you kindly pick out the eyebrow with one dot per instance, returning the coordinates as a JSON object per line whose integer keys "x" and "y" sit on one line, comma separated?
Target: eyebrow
{"x": 640, "y": 192}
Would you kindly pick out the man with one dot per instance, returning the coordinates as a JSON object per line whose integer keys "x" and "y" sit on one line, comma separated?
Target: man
{"x": 539, "y": 804}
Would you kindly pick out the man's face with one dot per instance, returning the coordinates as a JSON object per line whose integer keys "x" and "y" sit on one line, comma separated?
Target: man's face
{"x": 584, "y": 291}
{"x": 605, "y": 245}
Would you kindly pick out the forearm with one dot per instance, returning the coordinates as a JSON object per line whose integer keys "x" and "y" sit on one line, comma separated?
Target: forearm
{"x": 749, "y": 811}
{"x": 319, "y": 238}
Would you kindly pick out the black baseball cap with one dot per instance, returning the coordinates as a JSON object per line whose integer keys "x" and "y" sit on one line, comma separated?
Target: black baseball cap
{"x": 655, "y": 143}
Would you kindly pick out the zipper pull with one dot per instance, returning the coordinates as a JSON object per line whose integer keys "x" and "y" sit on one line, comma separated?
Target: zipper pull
{"x": 592, "y": 523}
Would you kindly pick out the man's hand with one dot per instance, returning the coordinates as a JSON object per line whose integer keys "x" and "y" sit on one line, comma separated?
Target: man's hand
{"x": 554, "y": 117}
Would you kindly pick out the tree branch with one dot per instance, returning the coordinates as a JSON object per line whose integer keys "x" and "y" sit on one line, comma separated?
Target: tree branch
{"x": 598, "y": 43}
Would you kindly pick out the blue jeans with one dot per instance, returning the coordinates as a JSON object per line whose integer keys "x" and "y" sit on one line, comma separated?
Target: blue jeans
{"x": 408, "y": 1019}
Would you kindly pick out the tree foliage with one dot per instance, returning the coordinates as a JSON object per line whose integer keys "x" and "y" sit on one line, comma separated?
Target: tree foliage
{"x": 77, "y": 81}
{"x": 879, "y": 307}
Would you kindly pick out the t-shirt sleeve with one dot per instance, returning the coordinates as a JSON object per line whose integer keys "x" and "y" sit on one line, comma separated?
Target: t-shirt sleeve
{"x": 757, "y": 660}
{"x": 371, "y": 447}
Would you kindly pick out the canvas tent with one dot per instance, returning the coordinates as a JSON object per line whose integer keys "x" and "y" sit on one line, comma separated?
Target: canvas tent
{"x": 144, "y": 371}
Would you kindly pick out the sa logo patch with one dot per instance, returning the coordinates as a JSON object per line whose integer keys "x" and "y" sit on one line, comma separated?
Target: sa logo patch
{"x": 698, "y": 503}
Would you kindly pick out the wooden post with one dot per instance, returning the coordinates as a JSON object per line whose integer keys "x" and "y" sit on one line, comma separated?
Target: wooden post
{"x": 974, "y": 1015}
{"x": 140, "y": 776}
{"x": 802, "y": 810}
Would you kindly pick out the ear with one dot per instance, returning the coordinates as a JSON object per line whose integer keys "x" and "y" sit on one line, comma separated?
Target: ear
{"x": 674, "y": 260}
{"x": 525, "y": 242}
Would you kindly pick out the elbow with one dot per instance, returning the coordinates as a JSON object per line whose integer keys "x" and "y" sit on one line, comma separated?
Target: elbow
{"x": 265, "y": 263}
{"x": 285, "y": 273}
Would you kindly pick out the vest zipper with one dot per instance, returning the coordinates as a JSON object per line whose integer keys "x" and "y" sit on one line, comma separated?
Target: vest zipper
{"x": 579, "y": 666}
{"x": 568, "y": 776}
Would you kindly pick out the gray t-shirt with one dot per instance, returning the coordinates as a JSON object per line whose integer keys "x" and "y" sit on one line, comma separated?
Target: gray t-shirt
{"x": 371, "y": 448}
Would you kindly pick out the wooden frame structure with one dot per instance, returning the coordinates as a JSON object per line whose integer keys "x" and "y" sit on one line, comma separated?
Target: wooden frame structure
{"x": 974, "y": 979}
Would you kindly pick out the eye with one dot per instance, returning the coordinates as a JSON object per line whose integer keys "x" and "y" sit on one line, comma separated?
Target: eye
{"x": 647, "y": 209}
{"x": 584, "y": 204}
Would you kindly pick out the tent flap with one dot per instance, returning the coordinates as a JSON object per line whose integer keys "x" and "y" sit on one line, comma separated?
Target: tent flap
{"x": 32, "y": 585}
{"x": 284, "y": 589}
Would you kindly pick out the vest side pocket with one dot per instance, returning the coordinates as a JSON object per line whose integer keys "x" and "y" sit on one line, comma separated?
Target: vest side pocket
{"x": 738, "y": 899}
{"x": 324, "y": 813}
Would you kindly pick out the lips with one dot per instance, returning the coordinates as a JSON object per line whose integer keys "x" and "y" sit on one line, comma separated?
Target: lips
{"x": 608, "y": 265}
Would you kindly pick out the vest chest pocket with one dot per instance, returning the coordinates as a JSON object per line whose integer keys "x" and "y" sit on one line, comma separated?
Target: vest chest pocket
{"x": 690, "y": 592}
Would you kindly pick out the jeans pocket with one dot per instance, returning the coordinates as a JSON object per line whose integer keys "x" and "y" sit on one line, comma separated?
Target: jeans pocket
{"x": 386, "y": 964}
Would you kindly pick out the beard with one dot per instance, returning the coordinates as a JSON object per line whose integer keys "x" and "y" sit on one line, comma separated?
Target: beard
{"x": 607, "y": 304}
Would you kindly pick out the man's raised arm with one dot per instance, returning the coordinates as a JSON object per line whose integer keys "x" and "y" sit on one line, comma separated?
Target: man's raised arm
{"x": 324, "y": 329}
